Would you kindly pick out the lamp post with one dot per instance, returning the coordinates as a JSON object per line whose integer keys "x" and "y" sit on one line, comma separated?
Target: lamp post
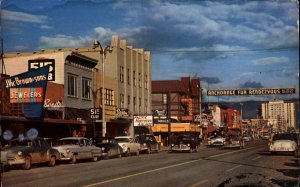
{"x": 103, "y": 52}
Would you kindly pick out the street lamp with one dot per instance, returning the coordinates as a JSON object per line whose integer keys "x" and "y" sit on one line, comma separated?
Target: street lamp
{"x": 103, "y": 52}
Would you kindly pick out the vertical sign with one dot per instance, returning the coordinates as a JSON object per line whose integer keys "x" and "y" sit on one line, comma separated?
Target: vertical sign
{"x": 38, "y": 63}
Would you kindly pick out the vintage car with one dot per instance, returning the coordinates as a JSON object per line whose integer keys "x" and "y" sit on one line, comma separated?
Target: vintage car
{"x": 284, "y": 143}
{"x": 215, "y": 141}
{"x": 185, "y": 143}
{"x": 234, "y": 141}
{"x": 148, "y": 143}
{"x": 25, "y": 152}
{"x": 77, "y": 148}
{"x": 109, "y": 147}
{"x": 129, "y": 145}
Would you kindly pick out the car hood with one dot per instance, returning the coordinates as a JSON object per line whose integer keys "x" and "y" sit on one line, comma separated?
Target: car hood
{"x": 17, "y": 149}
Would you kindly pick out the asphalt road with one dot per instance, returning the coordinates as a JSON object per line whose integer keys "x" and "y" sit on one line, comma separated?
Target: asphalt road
{"x": 252, "y": 166}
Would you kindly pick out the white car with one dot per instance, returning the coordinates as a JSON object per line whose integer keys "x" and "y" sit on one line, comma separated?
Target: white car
{"x": 284, "y": 143}
{"x": 216, "y": 141}
{"x": 129, "y": 145}
{"x": 76, "y": 148}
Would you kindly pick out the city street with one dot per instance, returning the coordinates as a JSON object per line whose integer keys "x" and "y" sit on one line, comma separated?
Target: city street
{"x": 208, "y": 167}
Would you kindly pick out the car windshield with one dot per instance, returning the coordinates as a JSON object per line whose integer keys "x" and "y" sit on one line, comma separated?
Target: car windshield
{"x": 122, "y": 140}
{"x": 68, "y": 142}
{"x": 284, "y": 137}
{"x": 26, "y": 143}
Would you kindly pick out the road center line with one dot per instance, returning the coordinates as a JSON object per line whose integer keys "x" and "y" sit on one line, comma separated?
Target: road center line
{"x": 235, "y": 167}
{"x": 258, "y": 157}
{"x": 199, "y": 183}
{"x": 141, "y": 173}
{"x": 163, "y": 168}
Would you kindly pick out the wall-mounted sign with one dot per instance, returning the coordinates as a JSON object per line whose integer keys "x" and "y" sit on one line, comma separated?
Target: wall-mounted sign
{"x": 26, "y": 95}
{"x": 38, "y": 63}
{"x": 251, "y": 92}
{"x": 96, "y": 113}
{"x": 122, "y": 113}
{"x": 159, "y": 112}
{"x": 29, "y": 88}
{"x": 161, "y": 120}
{"x": 145, "y": 120}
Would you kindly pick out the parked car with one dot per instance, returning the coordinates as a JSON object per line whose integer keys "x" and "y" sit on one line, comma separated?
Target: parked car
{"x": 77, "y": 148}
{"x": 25, "y": 152}
{"x": 234, "y": 141}
{"x": 129, "y": 145}
{"x": 216, "y": 141}
{"x": 148, "y": 143}
{"x": 284, "y": 143}
{"x": 185, "y": 143}
{"x": 109, "y": 147}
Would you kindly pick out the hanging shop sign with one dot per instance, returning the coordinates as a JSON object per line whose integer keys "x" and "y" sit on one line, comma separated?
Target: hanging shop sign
{"x": 38, "y": 63}
{"x": 252, "y": 92}
{"x": 145, "y": 120}
{"x": 122, "y": 113}
{"x": 96, "y": 113}
{"x": 29, "y": 89}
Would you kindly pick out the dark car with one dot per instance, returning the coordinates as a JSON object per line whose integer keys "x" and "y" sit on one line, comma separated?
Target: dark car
{"x": 25, "y": 152}
{"x": 148, "y": 143}
{"x": 185, "y": 143}
{"x": 234, "y": 141}
{"x": 109, "y": 146}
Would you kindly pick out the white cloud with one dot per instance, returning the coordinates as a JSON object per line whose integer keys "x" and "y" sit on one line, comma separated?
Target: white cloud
{"x": 22, "y": 17}
{"x": 64, "y": 41}
{"x": 271, "y": 60}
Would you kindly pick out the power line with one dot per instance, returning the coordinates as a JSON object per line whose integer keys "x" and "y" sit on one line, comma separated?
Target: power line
{"x": 226, "y": 51}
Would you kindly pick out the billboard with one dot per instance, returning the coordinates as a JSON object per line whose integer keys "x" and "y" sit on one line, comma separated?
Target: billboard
{"x": 38, "y": 63}
{"x": 252, "y": 92}
{"x": 145, "y": 120}
{"x": 29, "y": 89}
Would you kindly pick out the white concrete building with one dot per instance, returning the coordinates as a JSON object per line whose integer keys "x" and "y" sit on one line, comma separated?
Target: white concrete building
{"x": 281, "y": 115}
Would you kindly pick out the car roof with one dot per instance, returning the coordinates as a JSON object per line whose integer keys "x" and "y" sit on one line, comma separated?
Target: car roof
{"x": 72, "y": 138}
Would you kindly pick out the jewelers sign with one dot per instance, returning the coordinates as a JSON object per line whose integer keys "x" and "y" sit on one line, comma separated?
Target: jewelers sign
{"x": 29, "y": 89}
{"x": 145, "y": 120}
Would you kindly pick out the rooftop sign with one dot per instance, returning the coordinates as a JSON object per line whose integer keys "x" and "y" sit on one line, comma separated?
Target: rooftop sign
{"x": 252, "y": 92}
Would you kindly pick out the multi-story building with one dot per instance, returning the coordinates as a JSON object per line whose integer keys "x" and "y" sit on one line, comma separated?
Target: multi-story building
{"x": 180, "y": 99}
{"x": 75, "y": 84}
{"x": 67, "y": 102}
{"x": 280, "y": 115}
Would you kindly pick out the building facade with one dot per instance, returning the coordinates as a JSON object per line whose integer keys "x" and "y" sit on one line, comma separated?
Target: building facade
{"x": 180, "y": 102}
{"x": 75, "y": 84}
{"x": 281, "y": 115}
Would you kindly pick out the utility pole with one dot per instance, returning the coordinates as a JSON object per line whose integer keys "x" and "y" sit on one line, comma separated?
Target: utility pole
{"x": 103, "y": 52}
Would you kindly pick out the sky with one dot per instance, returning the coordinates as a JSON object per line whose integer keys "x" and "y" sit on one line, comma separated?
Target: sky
{"x": 232, "y": 44}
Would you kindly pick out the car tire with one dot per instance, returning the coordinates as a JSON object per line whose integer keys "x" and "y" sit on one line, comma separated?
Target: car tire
{"x": 52, "y": 161}
{"x": 148, "y": 151}
{"x": 27, "y": 164}
{"x": 73, "y": 159}
{"x": 296, "y": 153}
{"x": 94, "y": 158}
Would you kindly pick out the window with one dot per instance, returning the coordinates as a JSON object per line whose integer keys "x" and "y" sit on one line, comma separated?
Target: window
{"x": 140, "y": 80}
{"x": 86, "y": 88}
{"x": 134, "y": 104}
{"x": 121, "y": 74}
{"x": 122, "y": 100}
{"x": 128, "y": 76}
{"x": 109, "y": 97}
{"x": 72, "y": 85}
{"x": 140, "y": 104}
{"x": 128, "y": 100}
{"x": 134, "y": 78}
{"x": 146, "y": 81}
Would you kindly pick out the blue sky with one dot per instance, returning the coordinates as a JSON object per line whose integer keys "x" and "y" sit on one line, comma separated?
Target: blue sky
{"x": 233, "y": 44}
